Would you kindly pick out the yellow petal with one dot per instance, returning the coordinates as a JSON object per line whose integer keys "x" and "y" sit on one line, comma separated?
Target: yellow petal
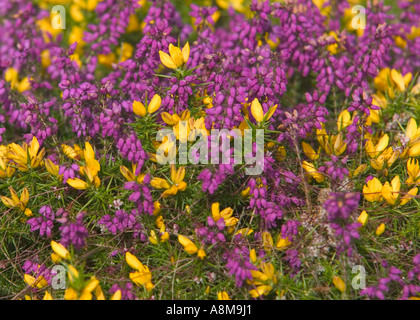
{"x": 410, "y": 194}
{"x": 60, "y": 250}
{"x": 344, "y": 120}
{"x": 153, "y": 239}
{"x": 186, "y": 52}
{"x": 180, "y": 175}
{"x": 88, "y": 153}
{"x": 283, "y": 243}
{"x": 411, "y": 130}
{"x": 55, "y": 258}
{"x": 222, "y": 296}
{"x": 188, "y": 245}
{"x": 270, "y": 112}
{"x": 99, "y": 293}
{"x": 70, "y": 294}
{"x": 34, "y": 147}
{"x": 168, "y": 119}
{"x": 260, "y": 290}
{"x": 267, "y": 241}
{"x": 339, "y": 284}
{"x": 91, "y": 285}
{"x": 363, "y": 218}
{"x": 382, "y": 144}
{"x": 117, "y": 295}
{"x": 398, "y": 79}
{"x": 28, "y": 212}
{"x": 380, "y": 229}
{"x": 160, "y": 183}
{"x": 244, "y": 232}
{"x": 414, "y": 150}
{"x": 139, "y": 108}
{"x": 154, "y": 105}
{"x": 170, "y": 192}
{"x": 167, "y": 60}
{"x": 133, "y": 262}
{"x": 309, "y": 151}
{"x": 127, "y": 173}
{"x": 77, "y": 184}
{"x": 201, "y": 254}
{"x": 72, "y": 273}
{"x": 70, "y": 152}
{"x": 7, "y": 202}
{"x": 215, "y": 211}
{"x": 257, "y": 110}
{"x": 47, "y": 296}
{"x": 176, "y": 55}
{"x": 387, "y": 194}
{"x": 51, "y": 167}
{"x": 24, "y": 197}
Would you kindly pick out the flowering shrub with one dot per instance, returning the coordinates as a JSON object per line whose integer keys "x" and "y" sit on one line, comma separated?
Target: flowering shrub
{"x": 306, "y": 164}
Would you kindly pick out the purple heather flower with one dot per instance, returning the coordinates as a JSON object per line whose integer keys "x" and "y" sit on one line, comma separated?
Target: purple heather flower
{"x": 239, "y": 265}
{"x": 74, "y": 233}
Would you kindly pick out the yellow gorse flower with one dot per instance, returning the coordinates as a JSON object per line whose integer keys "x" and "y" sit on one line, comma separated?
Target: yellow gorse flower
{"x": 90, "y": 287}
{"x": 385, "y": 160}
{"x": 154, "y": 105}
{"x": 344, "y": 120}
{"x": 222, "y": 296}
{"x": 163, "y": 234}
{"x": 309, "y": 151}
{"x": 263, "y": 280}
{"x": 244, "y": 232}
{"x": 226, "y": 214}
{"x": 177, "y": 180}
{"x": 332, "y": 144}
{"x": 363, "y": 218}
{"x": 267, "y": 240}
{"x": 75, "y": 153}
{"x": 176, "y": 57}
{"x": 47, "y": 296}
{"x": 391, "y": 81}
{"x": 12, "y": 75}
{"x": 90, "y": 171}
{"x": 413, "y": 170}
{"x": 6, "y": 165}
{"x": 117, "y": 295}
{"x": 142, "y": 276}
{"x": 258, "y": 112}
{"x": 190, "y": 247}
{"x": 60, "y": 250}
{"x": 374, "y": 150}
{"x": 380, "y": 229}
{"x": 15, "y": 202}
{"x": 339, "y": 284}
{"x": 53, "y": 169}
{"x": 283, "y": 243}
{"x": 25, "y": 156}
{"x": 390, "y": 192}
{"x": 38, "y": 282}
{"x": 373, "y": 190}
{"x": 412, "y": 134}
{"x": 312, "y": 171}
{"x": 131, "y": 175}
{"x": 408, "y": 196}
